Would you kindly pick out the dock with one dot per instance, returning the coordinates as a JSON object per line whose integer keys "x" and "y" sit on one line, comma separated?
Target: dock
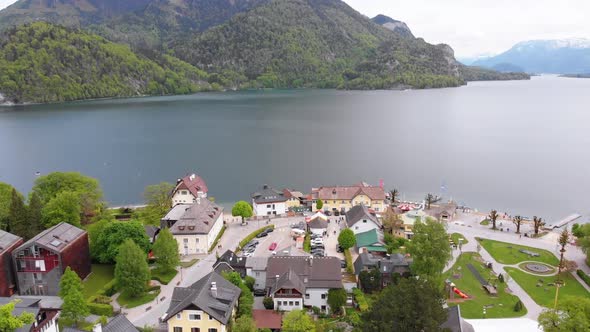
{"x": 565, "y": 221}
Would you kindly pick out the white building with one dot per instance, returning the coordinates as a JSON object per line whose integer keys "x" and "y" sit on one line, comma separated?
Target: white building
{"x": 188, "y": 189}
{"x": 360, "y": 220}
{"x": 256, "y": 268}
{"x": 295, "y": 282}
{"x": 194, "y": 226}
{"x": 269, "y": 202}
{"x": 318, "y": 223}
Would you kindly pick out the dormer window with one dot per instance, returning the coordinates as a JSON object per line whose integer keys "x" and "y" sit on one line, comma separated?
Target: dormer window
{"x": 181, "y": 228}
{"x": 191, "y": 227}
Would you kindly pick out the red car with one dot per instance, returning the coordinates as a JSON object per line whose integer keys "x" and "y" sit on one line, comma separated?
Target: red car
{"x": 273, "y": 246}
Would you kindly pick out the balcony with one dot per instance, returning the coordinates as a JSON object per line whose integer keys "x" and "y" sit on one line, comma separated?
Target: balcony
{"x": 42, "y": 262}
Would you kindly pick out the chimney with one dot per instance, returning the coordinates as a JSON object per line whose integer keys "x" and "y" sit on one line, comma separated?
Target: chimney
{"x": 97, "y": 328}
{"x": 192, "y": 177}
{"x": 214, "y": 289}
{"x": 178, "y": 181}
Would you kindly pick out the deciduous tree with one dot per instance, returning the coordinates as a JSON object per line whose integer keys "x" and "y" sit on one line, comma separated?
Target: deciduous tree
{"x": 71, "y": 291}
{"x": 64, "y": 207}
{"x": 319, "y": 204}
{"x": 413, "y": 305}
{"x": 370, "y": 280}
{"x": 9, "y": 322}
{"x": 336, "y": 299}
{"x": 571, "y": 315}
{"x": 517, "y": 220}
{"x": 165, "y": 251}
{"x": 391, "y": 221}
{"x": 298, "y": 321}
{"x": 429, "y": 248}
{"x": 493, "y": 217}
{"x": 537, "y": 224}
{"x": 244, "y": 324}
{"x": 158, "y": 200}
{"x": 131, "y": 271}
{"x": 346, "y": 239}
{"x": 5, "y": 201}
{"x": 242, "y": 209}
{"x": 393, "y": 195}
{"x": 114, "y": 234}
{"x": 429, "y": 199}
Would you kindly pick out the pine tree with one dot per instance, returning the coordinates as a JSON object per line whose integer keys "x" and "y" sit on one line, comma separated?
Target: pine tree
{"x": 166, "y": 251}
{"x": 35, "y": 222}
{"x": 71, "y": 291}
{"x": 17, "y": 215}
{"x": 131, "y": 272}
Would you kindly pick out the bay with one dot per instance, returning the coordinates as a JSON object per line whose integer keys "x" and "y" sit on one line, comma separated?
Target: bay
{"x": 517, "y": 146}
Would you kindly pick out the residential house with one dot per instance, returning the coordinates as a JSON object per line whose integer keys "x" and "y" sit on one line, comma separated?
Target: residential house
{"x": 188, "y": 189}
{"x": 267, "y": 319}
{"x": 371, "y": 242}
{"x": 152, "y": 232}
{"x": 229, "y": 261}
{"x": 408, "y": 220}
{"x": 208, "y": 305}
{"x": 295, "y": 282}
{"x": 454, "y": 322}
{"x": 256, "y": 268}
{"x": 118, "y": 323}
{"x": 41, "y": 261}
{"x": 360, "y": 219}
{"x": 294, "y": 198}
{"x": 269, "y": 202}
{"x": 8, "y": 242}
{"x": 387, "y": 265}
{"x": 443, "y": 212}
{"x": 318, "y": 223}
{"x": 342, "y": 199}
{"x": 45, "y": 318}
{"x": 194, "y": 226}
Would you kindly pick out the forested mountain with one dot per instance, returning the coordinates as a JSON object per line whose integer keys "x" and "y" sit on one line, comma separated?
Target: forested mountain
{"x": 41, "y": 62}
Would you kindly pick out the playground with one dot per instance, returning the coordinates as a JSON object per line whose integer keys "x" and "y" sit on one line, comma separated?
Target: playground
{"x": 474, "y": 286}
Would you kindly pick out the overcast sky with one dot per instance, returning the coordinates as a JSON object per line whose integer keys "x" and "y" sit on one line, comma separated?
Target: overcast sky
{"x": 475, "y": 27}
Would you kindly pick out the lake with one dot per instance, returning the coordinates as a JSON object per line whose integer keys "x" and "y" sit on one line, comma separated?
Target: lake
{"x": 517, "y": 146}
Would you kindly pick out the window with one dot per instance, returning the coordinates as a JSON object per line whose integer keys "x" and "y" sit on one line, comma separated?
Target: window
{"x": 365, "y": 221}
{"x": 257, "y": 274}
{"x": 185, "y": 240}
{"x": 195, "y": 329}
{"x": 177, "y": 329}
{"x": 323, "y": 308}
{"x": 323, "y": 296}
{"x": 356, "y": 227}
{"x": 197, "y": 240}
{"x": 212, "y": 330}
{"x": 194, "y": 317}
{"x": 296, "y": 303}
{"x": 210, "y": 317}
{"x": 290, "y": 303}
{"x": 178, "y": 316}
{"x": 268, "y": 206}
{"x": 343, "y": 202}
{"x": 307, "y": 296}
{"x": 183, "y": 192}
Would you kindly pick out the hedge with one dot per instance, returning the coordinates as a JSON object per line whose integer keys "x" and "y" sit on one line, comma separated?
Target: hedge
{"x": 584, "y": 276}
{"x": 307, "y": 243}
{"x": 253, "y": 235}
{"x": 108, "y": 289}
{"x": 359, "y": 298}
{"x": 214, "y": 244}
{"x": 348, "y": 258}
{"x": 99, "y": 309}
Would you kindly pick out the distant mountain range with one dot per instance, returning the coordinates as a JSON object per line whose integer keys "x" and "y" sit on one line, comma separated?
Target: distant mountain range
{"x": 182, "y": 46}
{"x": 565, "y": 56}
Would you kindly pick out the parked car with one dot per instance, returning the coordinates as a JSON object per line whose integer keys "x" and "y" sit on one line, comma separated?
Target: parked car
{"x": 318, "y": 246}
{"x": 262, "y": 234}
{"x": 317, "y": 241}
{"x": 328, "y": 213}
{"x": 318, "y": 254}
{"x": 343, "y": 263}
{"x": 272, "y": 246}
{"x": 269, "y": 230}
{"x": 316, "y": 236}
{"x": 260, "y": 292}
{"x": 253, "y": 242}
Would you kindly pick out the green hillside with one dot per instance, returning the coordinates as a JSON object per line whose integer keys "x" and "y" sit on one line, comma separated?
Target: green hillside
{"x": 42, "y": 63}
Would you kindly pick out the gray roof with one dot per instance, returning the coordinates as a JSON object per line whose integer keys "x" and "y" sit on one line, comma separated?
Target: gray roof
{"x": 317, "y": 223}
{"x": 56, "y": 238}
{"x": 257, "y": 263}
{"x": 7, "y": 240}
{"x": 119, "y": 323}
{"x": 320, "y": 272}
{"x": 29, "y": 305}
{"x": 176, "y": 212}
{"x": 289, "y": 280}
{"x": 197, "y": 218}
{"x": 359, "y": 212}
{"x": 454, "y": 322}
{"x": 199, "y": 295}
{"x": 268, "y": 195}
{"x": 151, "y": 230}
{"x": 389, "y": 264}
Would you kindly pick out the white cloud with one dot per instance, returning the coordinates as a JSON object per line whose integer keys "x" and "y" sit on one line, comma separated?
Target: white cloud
{"x": 5, "y": 3}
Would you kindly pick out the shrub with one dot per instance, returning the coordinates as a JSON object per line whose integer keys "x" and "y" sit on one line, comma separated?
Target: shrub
{"x": 268, "y": 303}
{"x": 316, "y": 310}
{"x": 501, "y": 278}
{"x": 214, "y": 244}
{"x": 359, "y": 298}
{"x": 336, "y": 299}
{"x": 348, "y": 258}
{"x": 518, "y": 306}
{"x": 250, "y": 281}
{"x": 153, "y": 288}
{"x": 253, "y": 235}
{"x": 353, "y": 318}
{"x": 583, "y": 276}
{"x": 99, "y": 309}
{"x": 109, "y": 288}
{"x": 102, "y": 299}
{"x": 307, "y": 243}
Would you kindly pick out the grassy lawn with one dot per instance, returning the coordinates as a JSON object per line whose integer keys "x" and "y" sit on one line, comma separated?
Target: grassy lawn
{"x": 163, "y": 277}
{"x": 189, "y": 263}
{"x": 132, "y": 302}
{"x": 456, "y": 236}
{"x": 85, "y": 326}
{"x": 485, "y": 222}
{"x": 500, "y": 306}
{"x": 546, "y": 297}
{"x": 101, "y": 274}
{"x": 508, "y": 253}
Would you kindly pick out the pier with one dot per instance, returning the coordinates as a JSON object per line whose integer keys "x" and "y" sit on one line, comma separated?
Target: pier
{"x": 565, "y": 221}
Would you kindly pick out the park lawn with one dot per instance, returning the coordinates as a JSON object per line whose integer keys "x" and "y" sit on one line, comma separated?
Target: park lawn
{"x": 485, "y": 222}
{"x": 503, "y": 304}
{"x": 508, "y": 253}
{"x": 528, "y": 282}
{"x": 456, "y": 236}
{"x": 132, "y": 302}
{"x": 164, "y": 277}
{"x": 101, "y": 275}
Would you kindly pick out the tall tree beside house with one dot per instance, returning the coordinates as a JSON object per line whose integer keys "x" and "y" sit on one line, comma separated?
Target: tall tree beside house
{"x": 244, "y": 324}
{"x": 131, "y": 271}
{"x": 428, "y": 199}
{"x": 242, "y": 209}
{"x": 35, "y": 216}
{"x": 393, "y": 195}
{"x": 346, "y": 239}
{"x": 391, "y": 221}
{"x": 65, "y": 206}
{"x": 493, "y": 217}
{"x": 412, "y": 305}
{"x": 114, "y": 234}
{"x": 165, "y": 250}
{"x": 94, "y": 232}
{"x": 158, "y": 200}
{"x": 429, "y": 248}
{"x": 5, "y": 201}
{"x": 71, "y": 291}
{"x": 370, "y": 281}
{"x": 336, "y": 299}
{"x": 9, "y": 322}
{"x": 517, "y": 220}
{"x": 17, "y": 215}
{"x": 298, "y": 321}
{"x": 319, "y": 204}
{"x": 563, "y": 240}
{"x": 537, "y": 224}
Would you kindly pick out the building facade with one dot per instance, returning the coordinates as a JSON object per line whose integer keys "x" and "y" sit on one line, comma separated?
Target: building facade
{"x": 359, "y": 219}
{"x": 41, "y": 261}
{"x": 269, "y": 202}
{"x": 188, "y": 189}
{"x": 342, "y": 199}
{"x": 256, "y": 268}
{"x": 8, "y": 242}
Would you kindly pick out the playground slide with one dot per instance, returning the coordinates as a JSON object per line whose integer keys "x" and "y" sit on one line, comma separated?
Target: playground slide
{"x": 460, "y": 293}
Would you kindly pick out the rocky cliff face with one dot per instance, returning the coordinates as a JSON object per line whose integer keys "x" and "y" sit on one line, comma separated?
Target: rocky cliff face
{"x": 396, "y": 26}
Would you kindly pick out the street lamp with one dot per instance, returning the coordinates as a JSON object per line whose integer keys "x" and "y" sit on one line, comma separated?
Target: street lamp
{"x": 484, "y": 312}
{"x": 558, "y": 283}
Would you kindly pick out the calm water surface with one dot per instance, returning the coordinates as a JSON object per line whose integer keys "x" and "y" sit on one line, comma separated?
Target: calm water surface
{"x": 521, "y": 146}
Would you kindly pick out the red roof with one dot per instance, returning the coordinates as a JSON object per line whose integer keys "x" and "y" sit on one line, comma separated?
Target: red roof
{"x": 193, "y": 183}
{"x": 269, "y": 319}
{"x": 349, "y": 192}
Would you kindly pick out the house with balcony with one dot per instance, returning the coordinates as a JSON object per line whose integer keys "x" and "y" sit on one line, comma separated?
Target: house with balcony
{"x": 387, "y": 265}
{"x": 45, "y": 318}
{"x": 41, "y": 261}
{"x": 341, "y": 199}
{"x": 194, "y": 226}
{"x": 188, "y": 189}
{"x": 8, "y": 242}
{"x": 269, "y": 202}
{"x": 295, "y": 282}
{"x": 208, "y": 305}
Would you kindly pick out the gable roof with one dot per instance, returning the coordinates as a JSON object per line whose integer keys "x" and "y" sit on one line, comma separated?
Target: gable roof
{"x": 437, "y": 211}
{"x": 359, "y": 212}
{"x": 320, "y": 272}
{"x": 269, "y": 319}
{"x": 7, "y": 240}
{"x": 151, "y": 230}
{"x": 193, "y": 183}
{"x": 454, "y": 322}
{"x": 318, "y": 221}
{"x": 199, "y": 294}
{"x": 56, "y": 238}
{"x": 367, "y": 238}
{"x": 348, "y": 192}
{"x": 257, "y": 263}
{"x": 118, "y": 323}
{"x": 232, "y": 260}
{"x": 268, "y": 195}
{"x": 289, "y": 280}
{"x": 197, "y": 218}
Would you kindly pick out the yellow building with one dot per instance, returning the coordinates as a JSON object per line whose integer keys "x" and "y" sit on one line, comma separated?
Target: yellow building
{"x": 293, "y": 198}
{"x": 408, "y": 220}
{"x": 208, "y": 305}
{"x": 342, "y": 199}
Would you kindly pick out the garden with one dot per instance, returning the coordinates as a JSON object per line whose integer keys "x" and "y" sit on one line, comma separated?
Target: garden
{"x": 509, "y": 253}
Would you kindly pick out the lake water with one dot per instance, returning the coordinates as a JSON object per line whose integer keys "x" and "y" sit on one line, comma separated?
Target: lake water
{"x": 519, "y": 146}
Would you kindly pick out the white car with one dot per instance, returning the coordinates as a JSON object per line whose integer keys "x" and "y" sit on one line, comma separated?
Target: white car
{"x": 317, "y": 241}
